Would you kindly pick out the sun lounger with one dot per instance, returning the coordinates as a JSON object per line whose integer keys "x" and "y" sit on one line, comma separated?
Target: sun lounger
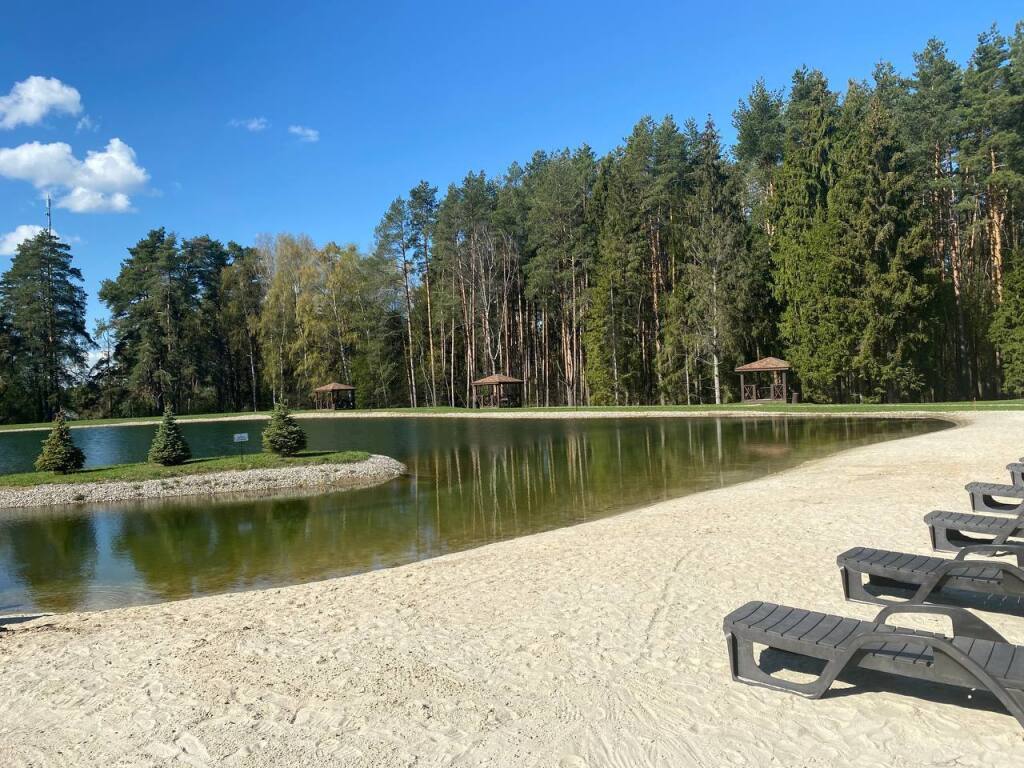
{"x": 994, "y": 585}
{"x": 952, "y": 531}
{"x": 983, "y": 497}
{"x": 975, "y": 657}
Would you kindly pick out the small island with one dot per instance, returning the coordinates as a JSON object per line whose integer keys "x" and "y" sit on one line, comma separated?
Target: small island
{"x": 256, "y": 472}
{"x": 171, "y": 471}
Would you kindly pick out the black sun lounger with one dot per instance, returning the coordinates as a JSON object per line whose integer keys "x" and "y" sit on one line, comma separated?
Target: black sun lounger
{"x": 994, "y": 585}
{"x": 975, "y": 657}
{"x": 952, "y": 531}
{"x": 983, "y": 498}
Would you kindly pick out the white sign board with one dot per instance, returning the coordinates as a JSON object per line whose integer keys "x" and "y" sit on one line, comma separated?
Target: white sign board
{"x": 241, "y": 437}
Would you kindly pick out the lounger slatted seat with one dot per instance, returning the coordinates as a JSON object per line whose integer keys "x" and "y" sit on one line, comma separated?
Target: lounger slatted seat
{"x": 983, "y": 497}
{"x": 993, "y": 584}
{"x": 952, "y": 531}
{"x": 975, "y": 657}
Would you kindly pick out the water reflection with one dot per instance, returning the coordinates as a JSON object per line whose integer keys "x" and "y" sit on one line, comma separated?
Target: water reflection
{"x": 54, "y": 559}
{"x": 470, "y": 482}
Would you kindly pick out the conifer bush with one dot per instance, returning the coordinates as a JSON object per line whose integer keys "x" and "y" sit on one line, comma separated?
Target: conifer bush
{"x": 169, "y": 447}
{"x": 60, "y": 454}
{"x": 283, "y": 435}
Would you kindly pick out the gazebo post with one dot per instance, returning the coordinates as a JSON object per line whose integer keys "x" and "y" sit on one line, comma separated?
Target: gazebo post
{"x": 743, "y": 390}
{"x": 490, "y": 390}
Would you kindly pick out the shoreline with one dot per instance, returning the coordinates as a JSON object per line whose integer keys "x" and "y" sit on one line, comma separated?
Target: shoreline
{"x": 618, "y": 659}
{"x": 800, "y": 411}
{"x": 322, "y": 477}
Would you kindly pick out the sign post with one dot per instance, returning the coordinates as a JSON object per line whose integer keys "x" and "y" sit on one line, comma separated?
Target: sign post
{"x": 241, "y": 438}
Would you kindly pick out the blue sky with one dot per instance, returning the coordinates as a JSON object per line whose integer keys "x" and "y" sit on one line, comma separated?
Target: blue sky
{"x": 391, "y": 93}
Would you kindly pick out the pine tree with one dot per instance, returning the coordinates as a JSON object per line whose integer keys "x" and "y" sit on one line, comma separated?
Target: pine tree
{"x": 283, "y": 435}
{"x": 151, "y": 303}
{"x": 933, "y": 121}
{"x": 60, "y": 454}
{"x": 43, "y": 306}
{"x": 701, "y": 318}
{"x": 169, "y": 446}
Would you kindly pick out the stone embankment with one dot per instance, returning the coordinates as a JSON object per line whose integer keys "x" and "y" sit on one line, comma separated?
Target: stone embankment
{"x": 376, "y": 469}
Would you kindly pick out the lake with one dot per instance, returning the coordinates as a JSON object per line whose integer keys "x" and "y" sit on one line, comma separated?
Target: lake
{"x": 471, "y": 481}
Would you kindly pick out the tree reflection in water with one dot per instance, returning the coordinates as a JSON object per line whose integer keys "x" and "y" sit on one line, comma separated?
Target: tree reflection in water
{"x": 471, "y": 481}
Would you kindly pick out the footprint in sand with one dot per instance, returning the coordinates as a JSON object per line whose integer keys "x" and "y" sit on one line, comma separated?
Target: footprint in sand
{"x": 192, "y": 746}
{"x": 572, "y": 761}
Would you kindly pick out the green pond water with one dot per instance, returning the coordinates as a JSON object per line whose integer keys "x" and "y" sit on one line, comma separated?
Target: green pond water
{"x": 470, "y": 482}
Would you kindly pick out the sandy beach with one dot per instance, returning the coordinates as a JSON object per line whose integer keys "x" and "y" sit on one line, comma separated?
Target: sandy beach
{"x": 596, "y": 645}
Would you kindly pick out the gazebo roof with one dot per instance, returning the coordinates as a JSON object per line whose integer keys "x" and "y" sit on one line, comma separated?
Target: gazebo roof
{"x": 496, "y": 378}
{"x": 335, "y": 387}
{"x": 765, "y": 364}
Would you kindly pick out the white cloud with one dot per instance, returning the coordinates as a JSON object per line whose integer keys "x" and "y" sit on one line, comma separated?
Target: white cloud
{"x": 33, "y": 98}
{"x": 100, "y": 182}
{"x": 309, "y": 135}
{"x": 10, "y": 241}
{"x": 86, "y": 123}
{"x": 82, "y": 200}
{"x": 254, "y": 124}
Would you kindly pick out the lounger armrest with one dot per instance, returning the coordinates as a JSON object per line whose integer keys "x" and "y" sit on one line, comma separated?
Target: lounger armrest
{"x": 965, "y": 623}
{"x": 993, "y": 549}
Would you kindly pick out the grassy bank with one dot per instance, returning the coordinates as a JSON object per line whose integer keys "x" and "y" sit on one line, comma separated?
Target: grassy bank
{"x": 143, "y": 471}
{"x": 137, "y": 420}
{"x": 967, "y": 405}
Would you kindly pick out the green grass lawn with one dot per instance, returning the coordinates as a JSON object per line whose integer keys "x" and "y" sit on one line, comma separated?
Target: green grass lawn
{"x": 143, "y": 471}
{"x": 967, "y": 405}
{"x": 133, "y": 420}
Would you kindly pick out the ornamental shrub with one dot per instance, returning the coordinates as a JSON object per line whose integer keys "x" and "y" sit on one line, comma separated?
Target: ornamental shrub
{"x": 60, "y": 454}
{"x": 169, "y": 446}
{"x": 283, "y": 435}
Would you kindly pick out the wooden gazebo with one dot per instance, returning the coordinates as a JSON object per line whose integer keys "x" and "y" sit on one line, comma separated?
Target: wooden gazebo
{"x": 334, "y": 396}
{"x": 499, "y": 391}
{"x": 777, "y": 388}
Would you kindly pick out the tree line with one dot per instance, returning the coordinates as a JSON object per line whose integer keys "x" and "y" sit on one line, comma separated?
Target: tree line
{"x": 872, "y": 236}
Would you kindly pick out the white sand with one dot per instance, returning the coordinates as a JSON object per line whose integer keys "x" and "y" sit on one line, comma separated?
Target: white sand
{"x": 598, "y": 645}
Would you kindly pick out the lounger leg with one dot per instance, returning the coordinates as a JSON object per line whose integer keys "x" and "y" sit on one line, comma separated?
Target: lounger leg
{"x": 854, "y": 589}
{"x": 745, "y": 669}
{"x": 941, "y": 541}
{"x": 1013, "y": 701}
{"x": 983, "y": 502}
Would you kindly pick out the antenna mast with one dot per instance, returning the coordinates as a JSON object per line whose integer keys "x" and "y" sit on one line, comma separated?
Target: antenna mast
{"x": 49, "y": 216}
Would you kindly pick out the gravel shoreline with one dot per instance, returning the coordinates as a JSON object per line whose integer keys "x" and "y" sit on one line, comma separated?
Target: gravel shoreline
{"x": 376, "y": 469}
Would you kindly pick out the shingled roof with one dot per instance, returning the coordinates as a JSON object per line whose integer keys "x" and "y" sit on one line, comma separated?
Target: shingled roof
{"x": 334, "y": 387}
{"x": 765, "y": 364}
{"x": 496, "y": 378}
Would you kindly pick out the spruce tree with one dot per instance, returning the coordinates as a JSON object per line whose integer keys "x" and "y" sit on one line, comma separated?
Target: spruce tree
{"x": 810, "y": 280}
{"x": 878, "y": 226}
{"x": 283, "y": 435}
{"x": 1007, "y": 332}
{"x": 60, "y": 454}
{"x": 169, "y": 446}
